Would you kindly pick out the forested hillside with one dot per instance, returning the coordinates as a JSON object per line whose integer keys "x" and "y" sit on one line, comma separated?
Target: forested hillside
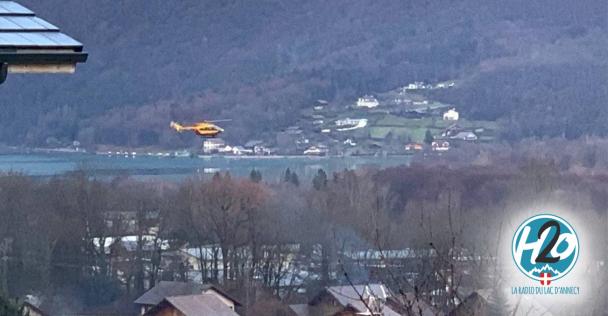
{"x": 541, "y": 66}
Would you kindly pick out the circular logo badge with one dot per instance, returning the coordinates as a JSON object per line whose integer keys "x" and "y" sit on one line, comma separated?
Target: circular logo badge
{"x": 545, "y": 248}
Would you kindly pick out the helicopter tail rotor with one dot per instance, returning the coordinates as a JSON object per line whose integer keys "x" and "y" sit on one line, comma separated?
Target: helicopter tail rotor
{"x": 176, "y": 126}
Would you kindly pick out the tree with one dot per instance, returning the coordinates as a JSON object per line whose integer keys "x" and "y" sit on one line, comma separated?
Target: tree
{"x": 294, "y": 179}
{"x": 291, "y": 177}
{"x": 319, "y": 182}
{"x": 287, "y": 175}
{"x": 225, "y": 209}
{"x": 428, "y": 137}
{"x": 8, "y": 308}
{"x": 255, "y": 176}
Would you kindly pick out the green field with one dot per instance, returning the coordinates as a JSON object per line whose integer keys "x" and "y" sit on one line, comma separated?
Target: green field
{"x": 415, "y": 133}
{"x": 416, "y": 128}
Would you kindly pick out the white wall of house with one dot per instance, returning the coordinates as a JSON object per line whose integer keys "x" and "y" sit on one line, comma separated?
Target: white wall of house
{"x": 367, "y": 102}
{"x": 451, "y": 115}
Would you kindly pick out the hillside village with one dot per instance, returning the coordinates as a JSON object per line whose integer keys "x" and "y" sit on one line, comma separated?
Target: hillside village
{"x": 396, "y": 122}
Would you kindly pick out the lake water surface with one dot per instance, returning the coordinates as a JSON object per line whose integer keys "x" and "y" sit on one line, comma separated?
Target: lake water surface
{"x": 169, "y": 168}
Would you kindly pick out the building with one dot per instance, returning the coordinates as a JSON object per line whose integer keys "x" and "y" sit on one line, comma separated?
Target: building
{"x": 415, "y": 85}
{"x": 166, "y": 289}
{"x": 316, "y": 150}
{"x": 225, "y": 150}
{"x": 452, "y": 130}
{"x": 192, "y": 305}
{"x": 465, "y": 135}
{"x": 257, "y": 147}
{"x": 473, "y": 305}
{"x": 350, "y": 124}
{"x": 451, "y": 115}
{"x": 213, "y": 145}
{"x": 350, "y": 142}
{"x": 413, "y": 147}
{"x": 240, "y": 150}
{"x": 320, "y": 105}
{"x": 367, "y": 101}
{"x": 363, "y": 299}
{"x": 32, "y": 310}
{"x": 421, "y": 102}
{"x": 29, "y": 44}
{"x": 440, "y": 145}
{"x": 262, "y": 151}
{"x": 348, "y": 121}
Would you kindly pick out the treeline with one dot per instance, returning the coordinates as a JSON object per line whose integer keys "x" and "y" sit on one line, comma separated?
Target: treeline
{"x": 82, "y": 244}
{"x": 154, "y": 61}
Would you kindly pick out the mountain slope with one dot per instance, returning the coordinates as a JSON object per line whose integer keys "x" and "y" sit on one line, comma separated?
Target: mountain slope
{"x": 156, "y": 60}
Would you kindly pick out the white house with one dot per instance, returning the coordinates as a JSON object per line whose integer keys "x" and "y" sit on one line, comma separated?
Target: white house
{"x": 415, "y": 85}
{"x": 451, "y": 115}
{"x": 212, "y": 145}
{"x": 350, "y": 124}
{"x": 240, "y": 150}
{"x": 367, "y": 101}
{"x": 225, "y": 150}
{"x": 316, "y": 150}
{"x": 440, "y": 145}
{"x": 350, "y": 142}
{"x": 423, "y": 102}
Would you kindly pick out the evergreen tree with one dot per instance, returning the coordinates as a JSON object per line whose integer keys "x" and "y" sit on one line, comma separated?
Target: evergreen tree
{"x": 8, "y": 308}
{"x": 428, "y": 137}
{"x": 319, "y": 182}
{"x": 255, "y": 176}
{"x": 287, "y": 176}
{"x": 294, "y": 179}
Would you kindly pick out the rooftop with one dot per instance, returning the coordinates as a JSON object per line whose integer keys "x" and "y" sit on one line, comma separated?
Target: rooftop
{"x": 168, "y": 288}
{"x": 199, "y": 304}
{"x": 29, "y": 44}
{"x": 165, "y": 289}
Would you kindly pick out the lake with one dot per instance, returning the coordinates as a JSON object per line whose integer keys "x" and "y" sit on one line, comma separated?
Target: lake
{"x": 177, "y": 168}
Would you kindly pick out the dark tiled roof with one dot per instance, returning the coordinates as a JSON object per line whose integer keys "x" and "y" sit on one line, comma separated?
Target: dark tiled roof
{"x": 20, "y": 30}
{"x": 301, "y": 309}
{"x": 169, "y": 288}
{"x": 200, "y": 305}
{"x": 166, "y": 289}
{"x": 348, "y": 296}
{"x": 473, "y": 305}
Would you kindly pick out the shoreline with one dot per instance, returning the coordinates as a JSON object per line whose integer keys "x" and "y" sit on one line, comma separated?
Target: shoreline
{"x": 174, "y": 154}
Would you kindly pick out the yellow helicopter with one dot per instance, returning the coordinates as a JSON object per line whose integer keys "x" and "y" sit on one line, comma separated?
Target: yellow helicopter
{"x": 204, "y": 129}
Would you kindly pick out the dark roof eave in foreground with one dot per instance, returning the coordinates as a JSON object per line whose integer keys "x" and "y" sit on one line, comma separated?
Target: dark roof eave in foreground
{"x": 29, "y": 44}
{"x": 20, "y": 58}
